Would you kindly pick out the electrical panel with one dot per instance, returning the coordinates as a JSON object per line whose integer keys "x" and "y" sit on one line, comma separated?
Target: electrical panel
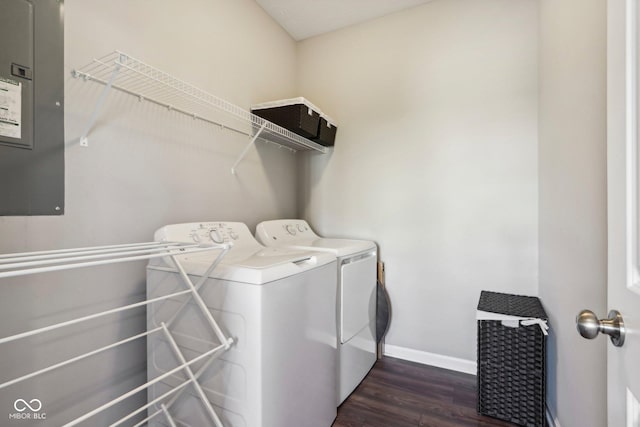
{"x": 31, "y": 107}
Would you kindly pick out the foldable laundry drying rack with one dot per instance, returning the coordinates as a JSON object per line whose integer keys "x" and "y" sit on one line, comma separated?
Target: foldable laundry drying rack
{"x": 20, "y": 264}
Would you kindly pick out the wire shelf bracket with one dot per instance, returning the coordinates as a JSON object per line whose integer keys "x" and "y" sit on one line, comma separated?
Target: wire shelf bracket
{"x": 246, "y": 149}
{"x": 118, "y": 70}
{"x": 20, "y": 264}
{"x": 84, "y": 140}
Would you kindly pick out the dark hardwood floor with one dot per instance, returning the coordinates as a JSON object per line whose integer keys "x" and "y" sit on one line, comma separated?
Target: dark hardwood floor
{"x": 397, "y": 393}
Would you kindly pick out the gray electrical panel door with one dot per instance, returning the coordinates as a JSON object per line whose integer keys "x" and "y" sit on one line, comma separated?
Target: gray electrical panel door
{"x": 31, "y": 107}
{"x": 16, "y": 88}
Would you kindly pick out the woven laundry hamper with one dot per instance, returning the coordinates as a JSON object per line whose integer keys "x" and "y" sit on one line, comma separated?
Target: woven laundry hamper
{"x": 512, "y": 358}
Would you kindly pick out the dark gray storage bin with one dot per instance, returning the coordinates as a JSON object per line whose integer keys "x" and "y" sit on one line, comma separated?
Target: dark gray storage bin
{"x": 326, "y": 132}
{"x": 512, "y": 361}
{"x": 297, "y": 115}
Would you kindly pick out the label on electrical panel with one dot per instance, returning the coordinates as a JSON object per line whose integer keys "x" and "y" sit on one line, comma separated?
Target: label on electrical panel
{"x": 10, "y": 108}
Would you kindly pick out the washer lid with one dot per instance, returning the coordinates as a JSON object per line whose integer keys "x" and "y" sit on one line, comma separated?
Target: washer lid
{"x": 258, "y": 268}
{"x": 247, "y": 261}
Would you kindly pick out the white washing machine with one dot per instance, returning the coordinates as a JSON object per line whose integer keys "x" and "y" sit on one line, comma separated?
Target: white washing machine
{"x": 277, "y": 306}
{"x": 356, "y": 302}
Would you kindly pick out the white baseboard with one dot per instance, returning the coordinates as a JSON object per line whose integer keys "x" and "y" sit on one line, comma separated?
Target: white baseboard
{"x": 432, "y": 359}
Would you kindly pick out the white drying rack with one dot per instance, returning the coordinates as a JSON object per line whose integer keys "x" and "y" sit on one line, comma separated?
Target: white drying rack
{"x": 121, "y": 71}
{"x": 20, "y": 264}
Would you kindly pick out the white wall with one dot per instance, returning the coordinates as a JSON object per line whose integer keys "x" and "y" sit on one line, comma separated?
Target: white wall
{"x": 573, "y": 201}
{"x": 435, "y": 159}
{"x": 145, "y": 167}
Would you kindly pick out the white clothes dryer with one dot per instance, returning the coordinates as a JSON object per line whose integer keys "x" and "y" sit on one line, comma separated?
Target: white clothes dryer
{"x": 356, "y": 302}
{"x": 276, "y": 304}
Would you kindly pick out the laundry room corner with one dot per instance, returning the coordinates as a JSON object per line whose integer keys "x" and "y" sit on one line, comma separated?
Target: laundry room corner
{"x": 435, "y": 160}
{"x": 319, "y": 213}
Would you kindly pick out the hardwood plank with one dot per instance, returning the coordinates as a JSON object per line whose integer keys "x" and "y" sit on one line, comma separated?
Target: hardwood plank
{"x": 398, "y": 393}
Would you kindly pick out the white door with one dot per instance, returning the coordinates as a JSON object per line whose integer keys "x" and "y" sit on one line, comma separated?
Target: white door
{"x": 623, "y": 363}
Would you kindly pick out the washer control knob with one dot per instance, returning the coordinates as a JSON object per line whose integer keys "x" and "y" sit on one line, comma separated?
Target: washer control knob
{"x": 300, "y": 228}
{"x": 290, "y": 229}
{"x": 195, "y": 237}
{"x": 216, "y": 236}
{"x": 233, "y": 235}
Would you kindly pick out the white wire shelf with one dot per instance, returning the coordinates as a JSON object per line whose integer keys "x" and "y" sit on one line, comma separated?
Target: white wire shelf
{"x": 123, "y": 72}
{"x": 20, "y": 264}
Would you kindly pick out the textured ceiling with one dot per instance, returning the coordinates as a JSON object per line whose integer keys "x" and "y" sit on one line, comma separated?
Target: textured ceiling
{"x": 308, "y": 18}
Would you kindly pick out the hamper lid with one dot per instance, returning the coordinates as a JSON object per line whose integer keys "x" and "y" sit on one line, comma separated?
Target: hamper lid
{"x": 513, "y": 305}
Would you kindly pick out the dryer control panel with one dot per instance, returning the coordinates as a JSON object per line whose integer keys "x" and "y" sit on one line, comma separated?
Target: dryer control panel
{"x": 236, "y": 233}
{"x": 284, "y": 231}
